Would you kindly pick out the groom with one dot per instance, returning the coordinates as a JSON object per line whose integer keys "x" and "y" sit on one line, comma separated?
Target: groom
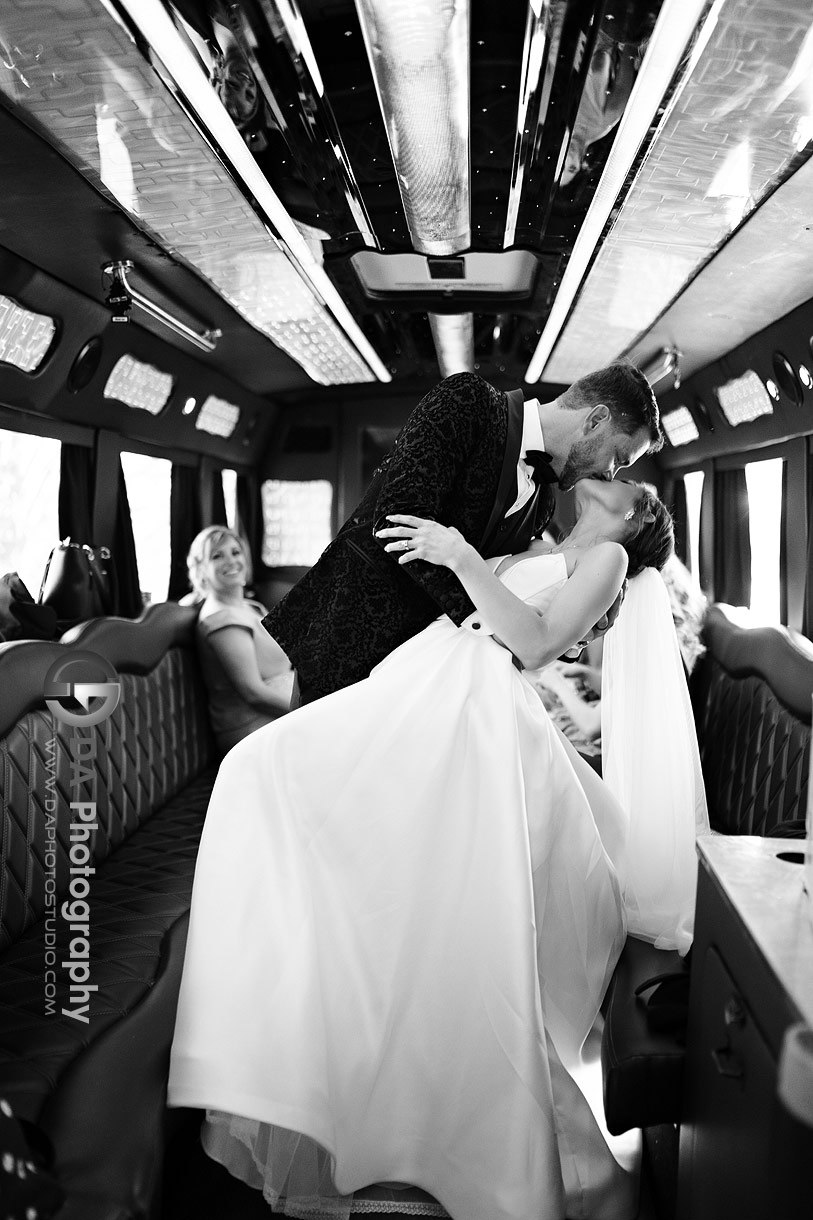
{"x": 468, "y": 456}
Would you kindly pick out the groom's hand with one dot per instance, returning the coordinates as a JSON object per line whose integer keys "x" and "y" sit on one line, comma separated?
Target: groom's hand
{"x": 612, "y": 614}
{"x": 600, "y": 629}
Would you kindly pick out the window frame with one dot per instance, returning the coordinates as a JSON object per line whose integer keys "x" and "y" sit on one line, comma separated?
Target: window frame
{"x": 794, "y": 544}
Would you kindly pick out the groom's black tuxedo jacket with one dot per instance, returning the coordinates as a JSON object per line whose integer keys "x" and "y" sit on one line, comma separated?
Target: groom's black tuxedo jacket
{"x": 455, "y": 461}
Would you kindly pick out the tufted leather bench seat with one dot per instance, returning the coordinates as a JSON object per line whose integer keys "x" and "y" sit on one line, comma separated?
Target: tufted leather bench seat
{"x": 96, "y": 1087}
{"x": 751, "y": 695}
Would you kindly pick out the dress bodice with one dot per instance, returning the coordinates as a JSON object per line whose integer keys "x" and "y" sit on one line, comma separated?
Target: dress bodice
{"x": 536, "y": 579}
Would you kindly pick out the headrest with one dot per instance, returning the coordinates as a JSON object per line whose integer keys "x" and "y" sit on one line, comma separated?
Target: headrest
{"x": 135, "y": 646}
{"x": 781, "y": 657}
{"x": 130, "y": 645}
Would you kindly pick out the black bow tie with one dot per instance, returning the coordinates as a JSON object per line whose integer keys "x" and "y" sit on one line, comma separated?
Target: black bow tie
{"x": 540, "y": 463}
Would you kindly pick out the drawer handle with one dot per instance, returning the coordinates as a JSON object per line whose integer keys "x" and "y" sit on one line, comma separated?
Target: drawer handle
{"x": 728, "y": 1063}
{"x": 734, "y": 1011}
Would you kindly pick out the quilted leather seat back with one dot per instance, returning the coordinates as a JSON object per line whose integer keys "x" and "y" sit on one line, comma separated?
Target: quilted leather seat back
{"x": 155, "y": 743}
{"x": 752, "y": 694}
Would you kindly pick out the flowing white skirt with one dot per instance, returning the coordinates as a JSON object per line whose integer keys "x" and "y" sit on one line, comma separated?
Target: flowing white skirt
{"x": 404, "y": 920}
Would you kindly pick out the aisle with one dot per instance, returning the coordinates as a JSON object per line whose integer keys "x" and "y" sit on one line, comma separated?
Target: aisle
{"x": 197, "y": 1188}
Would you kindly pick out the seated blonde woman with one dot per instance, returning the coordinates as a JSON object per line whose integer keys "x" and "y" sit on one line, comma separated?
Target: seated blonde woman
{"x": 248, "y": 677}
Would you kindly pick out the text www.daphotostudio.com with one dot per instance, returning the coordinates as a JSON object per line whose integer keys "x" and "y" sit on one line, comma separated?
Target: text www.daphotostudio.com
{"x": 78, "y": 702}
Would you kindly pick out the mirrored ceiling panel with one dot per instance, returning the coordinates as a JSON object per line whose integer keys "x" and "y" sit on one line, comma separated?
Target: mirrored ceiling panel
{"x": 76, "y": 73}
{"x": 739, "y": 123}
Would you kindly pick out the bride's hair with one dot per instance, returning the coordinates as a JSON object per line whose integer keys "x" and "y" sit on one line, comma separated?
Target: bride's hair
{"x": 652, "y": 534}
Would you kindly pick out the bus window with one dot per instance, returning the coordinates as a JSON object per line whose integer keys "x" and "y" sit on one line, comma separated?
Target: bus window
{"x": 296, "y": 521}
{"x": 764, "y": 482}
{"x": 148, "y": 490}
{"x": 29, "y": 526}
{"x": 229, "y": 478}
{"x": 693, "y": 484}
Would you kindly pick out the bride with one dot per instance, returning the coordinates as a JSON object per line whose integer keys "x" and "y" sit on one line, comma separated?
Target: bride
{"x": 411, "y": 894}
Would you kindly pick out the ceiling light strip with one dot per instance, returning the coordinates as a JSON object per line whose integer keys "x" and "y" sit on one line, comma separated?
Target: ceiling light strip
{"x": 533, "y": 105}
{"x": 677, "y": 22}
{"x": 155, "y": 25}
{"x": 419, "y": 56}
{"x": 453, "y": 336}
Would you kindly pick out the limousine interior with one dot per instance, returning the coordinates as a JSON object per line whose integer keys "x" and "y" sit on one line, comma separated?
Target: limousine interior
{"x": 238, "y": 243}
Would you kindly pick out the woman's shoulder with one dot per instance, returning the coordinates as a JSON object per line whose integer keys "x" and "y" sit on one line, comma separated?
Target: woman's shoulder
{"x": 259, "y": 609}
{"x": 214, "y": 619}
{"x": 606, "y": 556}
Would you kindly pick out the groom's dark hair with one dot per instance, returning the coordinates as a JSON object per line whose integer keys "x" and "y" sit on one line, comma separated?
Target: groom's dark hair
{"x": 627, "y": 394}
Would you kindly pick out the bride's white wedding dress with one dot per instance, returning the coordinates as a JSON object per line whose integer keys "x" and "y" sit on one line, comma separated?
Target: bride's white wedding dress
{"x": 405, "y": 914}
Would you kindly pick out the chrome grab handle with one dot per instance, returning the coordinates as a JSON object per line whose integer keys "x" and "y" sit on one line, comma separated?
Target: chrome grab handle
{"x": 726, "y": 1059}
{"x": 734, "y": 1011}
{"x": 728, "y": 1063}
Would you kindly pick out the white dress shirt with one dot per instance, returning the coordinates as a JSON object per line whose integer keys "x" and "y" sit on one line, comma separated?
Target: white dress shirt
{"x": 533, "y": 440}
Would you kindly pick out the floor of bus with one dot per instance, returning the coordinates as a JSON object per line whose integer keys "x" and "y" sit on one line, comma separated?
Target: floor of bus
{"x": 197, "y": 1188}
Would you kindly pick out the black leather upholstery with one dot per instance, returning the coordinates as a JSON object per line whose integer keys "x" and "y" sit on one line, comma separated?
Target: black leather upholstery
{"x": 642, "y": 1069}
{"x": 752, "y": 699}
{"x": 752, "y": 702}
{"x": 98, "y": 1089}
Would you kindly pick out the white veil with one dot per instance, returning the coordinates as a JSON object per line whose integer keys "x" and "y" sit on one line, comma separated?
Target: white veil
{"x": 651, "y": 763}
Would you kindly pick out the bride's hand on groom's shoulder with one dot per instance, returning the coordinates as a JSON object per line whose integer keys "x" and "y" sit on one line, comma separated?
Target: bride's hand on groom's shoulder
{"x": 418, "y": 538}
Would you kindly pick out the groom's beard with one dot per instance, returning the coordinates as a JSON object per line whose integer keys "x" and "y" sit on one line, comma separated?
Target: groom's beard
{"x": 580, "y": 463}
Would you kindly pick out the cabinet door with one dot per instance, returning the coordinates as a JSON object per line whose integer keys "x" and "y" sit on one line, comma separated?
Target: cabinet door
{"x": 729, "y": 1106}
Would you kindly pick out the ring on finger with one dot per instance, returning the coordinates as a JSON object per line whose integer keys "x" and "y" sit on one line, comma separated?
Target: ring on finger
{"x": 405, "y": 544}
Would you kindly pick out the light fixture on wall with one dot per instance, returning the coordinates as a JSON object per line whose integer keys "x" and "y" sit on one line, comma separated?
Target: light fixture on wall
{"x": 665, "y": 364}
{"x": 139, "y": 385}
{"x": 745, "y": 398}
{"x": 218, "y": 417}
{"x": 680, "y": 427}
{"x": 121, "y": 297}
{"x": 25, "y": 337}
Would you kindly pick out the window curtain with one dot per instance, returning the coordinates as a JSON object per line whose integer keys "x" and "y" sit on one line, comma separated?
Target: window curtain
{"x": 218, "y": 499}
{"x": 807, "y": 626}
{"x": 76, "y": 485}
{"x": 732, "y": 542}
{"x": 250, "y": 516}
{"x": 76, "y": 473}
{"x": 680, "y": 516}
{"x": 129, "y": 603}
{"x": 783, "y": 548}
{"x": 185, "y": 521}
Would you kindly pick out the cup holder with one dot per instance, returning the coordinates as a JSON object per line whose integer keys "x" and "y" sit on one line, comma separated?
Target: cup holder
{"x": 791, "y": 857}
